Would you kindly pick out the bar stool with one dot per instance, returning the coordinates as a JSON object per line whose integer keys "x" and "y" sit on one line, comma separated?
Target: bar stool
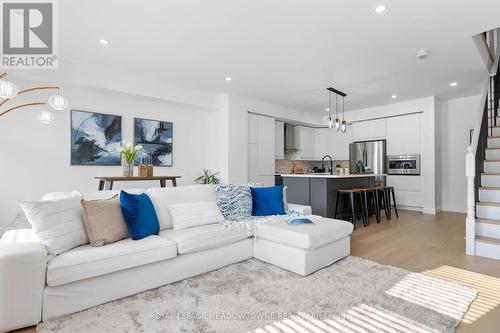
{"x": 390, "y": 192}
{"x": 371, "y": 203}
{"x": 352, "y": 199}
{"x": 381, "y": 195}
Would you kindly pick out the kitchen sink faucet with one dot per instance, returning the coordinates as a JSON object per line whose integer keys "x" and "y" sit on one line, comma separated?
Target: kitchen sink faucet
{"x": 331, "y": 163}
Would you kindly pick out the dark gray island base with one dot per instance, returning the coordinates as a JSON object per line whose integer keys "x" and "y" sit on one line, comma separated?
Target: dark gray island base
{"x": 320, "y": 192}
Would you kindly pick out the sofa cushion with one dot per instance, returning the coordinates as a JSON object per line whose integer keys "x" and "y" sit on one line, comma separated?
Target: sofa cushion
{"x": 161, "y": 197}
{"x": 90, "y": 195}
{"x": 103, "y": 221}
{"x": 307, "y": 237}
{"x": 188, "y": 215}
{"x": 139, "y": 215}
{"x": 86, "y": 261}
{"x": 235, "y": 201}
{"x": 57, "y": 223}
{"x": 205, "y": 237}
{"x": 267, "y": 201}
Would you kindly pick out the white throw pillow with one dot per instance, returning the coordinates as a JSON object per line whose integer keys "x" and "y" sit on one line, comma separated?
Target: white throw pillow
{"x": 187, "y": 215}
{"x": 57, "y": 223}
{"x": 61, "y": 195}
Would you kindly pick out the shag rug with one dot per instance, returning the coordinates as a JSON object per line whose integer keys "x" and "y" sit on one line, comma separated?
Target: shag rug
{"x": 353, "y": 295}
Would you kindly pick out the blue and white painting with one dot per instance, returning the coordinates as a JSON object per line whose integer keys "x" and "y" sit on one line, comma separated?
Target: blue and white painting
{"x": 156, "y": 138}
{"x": 95, "y": 138}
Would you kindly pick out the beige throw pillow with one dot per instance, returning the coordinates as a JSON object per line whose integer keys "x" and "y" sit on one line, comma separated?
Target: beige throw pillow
{"x": 103, "y": 221}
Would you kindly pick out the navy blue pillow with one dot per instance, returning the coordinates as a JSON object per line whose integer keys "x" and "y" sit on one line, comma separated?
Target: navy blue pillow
{"x": 267, "y": 201}
{"x": 139, "y": 215}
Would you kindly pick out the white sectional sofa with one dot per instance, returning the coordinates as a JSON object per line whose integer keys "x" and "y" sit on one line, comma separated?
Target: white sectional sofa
{"x": 35, "y": 287}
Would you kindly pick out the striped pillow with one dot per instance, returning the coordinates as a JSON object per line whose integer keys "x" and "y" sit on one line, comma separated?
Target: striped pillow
{"x": 187, "y": 215}
{"x": 58, "y": 224}
{"x": 235, "y": 201}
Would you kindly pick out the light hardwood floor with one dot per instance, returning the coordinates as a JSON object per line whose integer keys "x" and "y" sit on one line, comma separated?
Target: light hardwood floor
{"x": 435, "y": 245}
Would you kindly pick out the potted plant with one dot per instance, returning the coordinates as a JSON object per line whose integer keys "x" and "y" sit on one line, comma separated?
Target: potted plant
{"x": 338, "y": 168}
{"x": 208, "y": 178}
{"x": 129, "y": 153}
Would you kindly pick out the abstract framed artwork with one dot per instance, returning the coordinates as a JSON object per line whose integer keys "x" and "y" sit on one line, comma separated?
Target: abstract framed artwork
{"x": 95, "y": 138}
{"x": 156, "y": 137}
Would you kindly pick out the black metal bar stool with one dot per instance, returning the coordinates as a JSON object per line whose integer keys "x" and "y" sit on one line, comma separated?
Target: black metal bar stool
{"x": 381, "y": 194}
{"x": 390, "y": 192}
{"x": 371, "y": 203}
{"x": 353, "y": 205}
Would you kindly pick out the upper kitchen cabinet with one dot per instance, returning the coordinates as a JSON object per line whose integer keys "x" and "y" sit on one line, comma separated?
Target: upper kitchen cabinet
{"x": 403, "y": 135}
{"x": 306, "y": 142}
{"x": 261, "y": 145}
{"x": 345, "y": 140}
{"x": 333, "y": 143}
{"x": 368, "y": 130}
{"x": 324, "y": 142}
{"x": 279, "y": 140}
{"x": 300, "y": 142}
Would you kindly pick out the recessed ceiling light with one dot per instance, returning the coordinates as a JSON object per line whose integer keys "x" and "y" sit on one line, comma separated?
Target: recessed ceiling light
{"x": 422, "y": 54}
{"x": 454, "y": 84}
{"x": 104, "y": 41}
{"x": 380, "y": 9}
{"x": 394, "y": 96}
{"x": 228, "y": 78}
{"x": 327, "y": 109}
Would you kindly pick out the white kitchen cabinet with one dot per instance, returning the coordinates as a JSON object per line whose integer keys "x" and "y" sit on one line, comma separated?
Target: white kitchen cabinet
{"x": 345, "y": 141}
{"x": 261, "y": 149}
{"x": 253, "y": 128}
{"x": 407, "y": 190}
{"x": 369, "y": 130}
{"x": 323, "y": 142}
{"x": 333, "y": 143}
{"x": 394, "y": 143}
{"x": 403, "y": 135}
{"x": 411, "y": 134}
{"x": 306, "y": 142}
{"x": 279, "y": 140}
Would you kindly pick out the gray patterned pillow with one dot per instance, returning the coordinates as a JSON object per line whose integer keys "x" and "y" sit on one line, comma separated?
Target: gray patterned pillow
{"x": 235, "y": 201}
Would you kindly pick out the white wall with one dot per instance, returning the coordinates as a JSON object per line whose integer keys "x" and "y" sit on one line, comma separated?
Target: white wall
{"x": 35, "y": 158}
{"x": 457, "y": 116}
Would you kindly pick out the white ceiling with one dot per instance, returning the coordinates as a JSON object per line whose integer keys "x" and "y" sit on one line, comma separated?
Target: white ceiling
{"x": 284, "y": 52}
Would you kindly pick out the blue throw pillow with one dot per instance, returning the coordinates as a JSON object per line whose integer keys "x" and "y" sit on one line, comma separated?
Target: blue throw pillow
{"x": 139, "y": 215}
{"x": 267, "y": 201}
{"x": 235, "y": 201}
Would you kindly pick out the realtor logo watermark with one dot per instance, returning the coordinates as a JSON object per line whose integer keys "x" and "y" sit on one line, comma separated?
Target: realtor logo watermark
{"x": 29, "y": 34}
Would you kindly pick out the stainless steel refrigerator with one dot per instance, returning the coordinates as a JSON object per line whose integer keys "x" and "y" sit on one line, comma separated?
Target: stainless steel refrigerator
{"x": 371, "y": 155}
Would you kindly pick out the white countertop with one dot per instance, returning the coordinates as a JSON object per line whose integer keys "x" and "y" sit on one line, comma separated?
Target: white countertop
{"x": 327, "y": 175}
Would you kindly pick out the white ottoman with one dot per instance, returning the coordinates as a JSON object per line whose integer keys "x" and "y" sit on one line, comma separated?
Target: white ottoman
{"x": 303, "y": 249}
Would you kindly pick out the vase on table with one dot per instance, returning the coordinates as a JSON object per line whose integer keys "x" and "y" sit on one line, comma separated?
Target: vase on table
{"x": 127, "y": 168}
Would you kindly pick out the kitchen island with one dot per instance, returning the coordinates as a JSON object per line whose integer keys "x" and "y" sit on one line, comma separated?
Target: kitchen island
{"x": 320, "y": 190}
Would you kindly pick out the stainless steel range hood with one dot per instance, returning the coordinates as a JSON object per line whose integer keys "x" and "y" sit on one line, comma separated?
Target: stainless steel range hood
{"x": 291, "y": 139}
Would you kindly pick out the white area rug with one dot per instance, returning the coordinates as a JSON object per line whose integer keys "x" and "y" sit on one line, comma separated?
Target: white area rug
{"x": 351, "y": 296}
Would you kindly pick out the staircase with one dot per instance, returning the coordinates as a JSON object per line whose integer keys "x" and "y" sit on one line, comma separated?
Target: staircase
{"x": 483, "y": 160}
{"x": 487, "y": 225}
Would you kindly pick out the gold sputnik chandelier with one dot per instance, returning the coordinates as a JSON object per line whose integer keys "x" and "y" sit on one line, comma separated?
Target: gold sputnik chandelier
{"x": 9, "y": 90}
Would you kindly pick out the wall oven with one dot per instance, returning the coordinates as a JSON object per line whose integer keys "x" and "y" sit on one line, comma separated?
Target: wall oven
{"x": 403, "y": 165}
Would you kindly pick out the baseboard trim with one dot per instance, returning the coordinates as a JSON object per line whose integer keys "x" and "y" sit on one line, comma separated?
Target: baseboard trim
{"x": 431, "y": 211}
{"x": 411, "y": 208}
{"x": 454, "y": 209}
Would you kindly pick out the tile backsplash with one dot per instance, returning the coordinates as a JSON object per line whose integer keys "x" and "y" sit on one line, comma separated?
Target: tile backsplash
{"x": 285, "y": 165}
